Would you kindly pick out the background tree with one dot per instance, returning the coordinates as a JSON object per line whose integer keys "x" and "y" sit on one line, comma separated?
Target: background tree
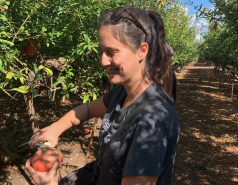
{"x": 220, "y": 42}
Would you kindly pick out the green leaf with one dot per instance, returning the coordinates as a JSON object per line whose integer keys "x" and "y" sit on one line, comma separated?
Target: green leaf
{"x": 34, "y": 91}
{"x": 36, "y": 72}
{"x": 87, "y": 39}
{"x": 90, "y": 84}
{"x": 4, "y": 33}
{"x": 48, "y": 71}
{"x": 81, "y": 52}
{"x": 14, "y": 53}
{"x": 22, "y": 80}
{"x": 7, "y": 42}
{"x": 7, "y": 93}
{"x": 21, "y": 30}
{"x": 96, "y": 51}
{"x": 22, "y": 89}
{"x": 1, "y": 64}
{"x": 74, "y": 89}
{"x": 43, "y": 29}
{"x": 85, "y": 47}
{"x": 41, "y": 67}
{"x": 85, "y": 99}
{"x": 8, "y": 78}
{"x": 81, "y": 44}
{"x": 94, "y": 96}
{"x": 3, "y": 18}
{"x": 56, "y": 83}
{"x": 49, "y": 94}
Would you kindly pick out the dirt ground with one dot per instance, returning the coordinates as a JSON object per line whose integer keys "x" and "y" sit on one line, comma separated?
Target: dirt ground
{"x": 207, "y": 153}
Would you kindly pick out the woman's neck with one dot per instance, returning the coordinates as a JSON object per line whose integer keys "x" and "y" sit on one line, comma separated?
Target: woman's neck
{"x": 135, "y": 90}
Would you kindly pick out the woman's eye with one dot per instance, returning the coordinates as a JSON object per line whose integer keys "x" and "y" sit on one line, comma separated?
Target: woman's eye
{"x": 110, "y": 53}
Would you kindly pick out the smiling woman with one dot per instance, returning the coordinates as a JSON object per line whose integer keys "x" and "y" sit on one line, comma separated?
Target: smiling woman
{"x": 139, "y": 131}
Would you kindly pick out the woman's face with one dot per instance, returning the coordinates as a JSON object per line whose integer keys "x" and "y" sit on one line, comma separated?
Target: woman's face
{"x": 124, "y": 66}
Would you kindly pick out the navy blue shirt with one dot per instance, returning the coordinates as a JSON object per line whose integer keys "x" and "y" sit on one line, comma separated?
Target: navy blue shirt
{"x": 147, "y": 146}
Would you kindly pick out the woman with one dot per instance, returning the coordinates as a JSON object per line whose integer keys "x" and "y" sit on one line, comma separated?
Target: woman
{"x": 140, "y": 129}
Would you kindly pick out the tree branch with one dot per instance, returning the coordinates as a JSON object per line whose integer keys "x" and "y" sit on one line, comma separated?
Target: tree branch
{"x": 21, "y": 26}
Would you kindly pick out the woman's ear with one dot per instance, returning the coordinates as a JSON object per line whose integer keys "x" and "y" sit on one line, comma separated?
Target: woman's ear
{"x": 143, "y": 50}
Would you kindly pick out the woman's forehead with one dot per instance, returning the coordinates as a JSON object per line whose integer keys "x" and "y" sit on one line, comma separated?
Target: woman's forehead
{"x": 106, "y": 38}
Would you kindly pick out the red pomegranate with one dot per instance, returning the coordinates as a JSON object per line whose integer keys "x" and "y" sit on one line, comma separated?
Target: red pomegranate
{"x": 30, "y": 48}
{"x": 43, "y": 159}
{"x": 86, "y": 130}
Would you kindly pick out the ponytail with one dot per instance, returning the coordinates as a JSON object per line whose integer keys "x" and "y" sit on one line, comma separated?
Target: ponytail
{"x": 160, "y": 68}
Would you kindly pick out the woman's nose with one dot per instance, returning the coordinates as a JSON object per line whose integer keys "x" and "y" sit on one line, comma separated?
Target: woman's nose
{"x": 105, "y": 59}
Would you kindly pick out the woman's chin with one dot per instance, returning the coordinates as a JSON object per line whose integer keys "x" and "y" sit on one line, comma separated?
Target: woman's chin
{"x": 114, "y": 82}
{"x": 113, "y": 79}
{"x": 112, "y": 75}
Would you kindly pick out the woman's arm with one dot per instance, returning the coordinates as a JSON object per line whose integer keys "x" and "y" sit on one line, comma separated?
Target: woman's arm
{"x": 74, "y": 117}
{"x": 81, "y": 114}
{"x": 139, "y": 180}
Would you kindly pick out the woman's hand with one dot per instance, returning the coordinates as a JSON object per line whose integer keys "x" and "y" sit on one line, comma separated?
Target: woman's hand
{"x": 49, "y": 134}
{"x": 43, "y": 178}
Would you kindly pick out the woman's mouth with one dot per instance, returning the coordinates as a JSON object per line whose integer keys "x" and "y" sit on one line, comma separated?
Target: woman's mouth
{"x": 112, "y": 71}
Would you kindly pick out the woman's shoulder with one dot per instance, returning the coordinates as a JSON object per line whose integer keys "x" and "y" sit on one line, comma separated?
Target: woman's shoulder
{"x": 156, "y": 106}
{"x": 156, "y": 96}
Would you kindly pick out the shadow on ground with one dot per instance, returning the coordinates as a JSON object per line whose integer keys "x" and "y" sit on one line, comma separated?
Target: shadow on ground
{"x": 208, "y": 150}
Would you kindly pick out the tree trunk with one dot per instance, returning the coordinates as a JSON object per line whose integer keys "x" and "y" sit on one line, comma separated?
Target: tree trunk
{"x": 232, "y": 89}
{"x": 91, "y": 138}
{"x": 31, "y": 111}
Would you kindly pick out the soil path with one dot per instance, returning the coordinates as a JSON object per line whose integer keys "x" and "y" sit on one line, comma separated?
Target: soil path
{"x": 207, "y": 153}
{"x": 208, "y": 149}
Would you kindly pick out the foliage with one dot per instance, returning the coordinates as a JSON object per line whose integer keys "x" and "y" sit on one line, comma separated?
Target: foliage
{"x": 68, "y": 29}
{"x": 181, "y": 33}
{"x": 220, "y": 42}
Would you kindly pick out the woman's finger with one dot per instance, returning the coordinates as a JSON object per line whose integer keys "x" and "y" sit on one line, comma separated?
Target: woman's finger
{"x": 36, "y": 138}
{"x": 28, "y": 167}
{"x": 55, "y": 166}
{"x": 28, "y": 163}
{"x": 33, "y": 182}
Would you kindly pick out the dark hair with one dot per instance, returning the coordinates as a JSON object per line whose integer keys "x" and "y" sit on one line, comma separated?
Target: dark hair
{"x": 158, "y": 67}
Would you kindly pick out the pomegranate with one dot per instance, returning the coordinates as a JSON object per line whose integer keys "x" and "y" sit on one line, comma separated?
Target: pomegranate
{"x": 30, "y": 48}
{"x": 43, "y": 159}
{"x": 86, "y": 130}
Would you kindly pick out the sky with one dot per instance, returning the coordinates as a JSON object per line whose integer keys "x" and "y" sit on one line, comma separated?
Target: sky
{"x": 205, "y": 4}
{"x": 192, "y": 11}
